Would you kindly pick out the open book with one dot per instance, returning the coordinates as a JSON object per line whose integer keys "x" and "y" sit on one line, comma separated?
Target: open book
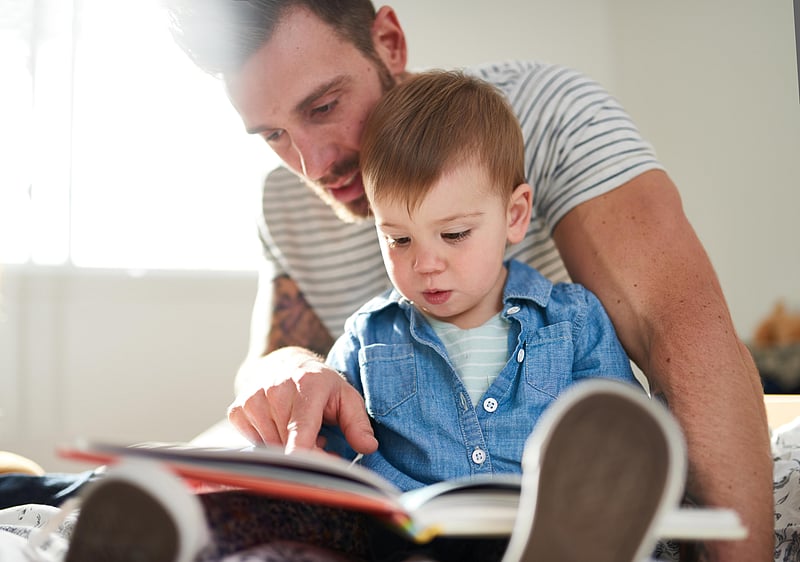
{"x": 445, "y": 508}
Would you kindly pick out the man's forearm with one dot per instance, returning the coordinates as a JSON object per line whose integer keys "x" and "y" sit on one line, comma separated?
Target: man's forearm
{"x": 293, "y": 322}
{"x": 637, "y": 251}
{"x": 715, "y": 393}
{"x": 696, "y": 362}
{"x": 281, "y": 319}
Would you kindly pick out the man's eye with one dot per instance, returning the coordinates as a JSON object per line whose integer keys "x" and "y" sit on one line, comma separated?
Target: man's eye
{"x": 323, "y": 109}
{"x": 274, "y": 136}
{"x": 456, "y": 236}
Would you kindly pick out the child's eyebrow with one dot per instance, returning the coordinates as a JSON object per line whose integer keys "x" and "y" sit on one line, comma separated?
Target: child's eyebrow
{"x": 385, "y": 225}
{"x": 460, "y": 216}
{"x": 441, "y": 221}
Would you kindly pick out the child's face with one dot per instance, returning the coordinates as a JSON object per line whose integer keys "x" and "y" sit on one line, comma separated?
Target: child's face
{"x": 447, "y": 257}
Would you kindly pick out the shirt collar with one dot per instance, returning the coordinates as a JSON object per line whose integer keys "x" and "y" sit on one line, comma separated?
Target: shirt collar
{"x": 525, "y": 283}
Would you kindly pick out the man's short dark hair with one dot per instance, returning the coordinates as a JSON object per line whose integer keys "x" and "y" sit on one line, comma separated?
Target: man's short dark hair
{"x": 221, "y": 35}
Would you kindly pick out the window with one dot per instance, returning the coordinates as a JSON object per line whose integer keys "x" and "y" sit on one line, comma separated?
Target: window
{"x": 16, "y": 114}
{"x": 126, "y": 155}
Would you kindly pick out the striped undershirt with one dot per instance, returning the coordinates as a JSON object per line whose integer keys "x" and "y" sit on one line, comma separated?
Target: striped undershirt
{"x": 579, "y": 144}
{"x": 477, "y": 354}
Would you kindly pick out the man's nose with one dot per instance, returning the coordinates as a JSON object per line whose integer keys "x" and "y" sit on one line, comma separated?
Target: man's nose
{"x": 316, "y": 155}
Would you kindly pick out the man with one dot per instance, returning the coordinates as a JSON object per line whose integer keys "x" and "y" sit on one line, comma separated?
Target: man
{"x": 305, "y": 75}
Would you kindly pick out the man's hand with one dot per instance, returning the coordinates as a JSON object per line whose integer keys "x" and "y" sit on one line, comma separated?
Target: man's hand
{"x": 293, "y": 394}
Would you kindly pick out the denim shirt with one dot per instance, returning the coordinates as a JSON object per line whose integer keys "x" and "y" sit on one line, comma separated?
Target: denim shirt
{"x": 426, "y": 426}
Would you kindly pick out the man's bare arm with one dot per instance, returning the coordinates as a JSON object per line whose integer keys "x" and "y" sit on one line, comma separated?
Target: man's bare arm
{"x": 284, "y": 390}
{"x": 281, "y": 318}
{"x": 636, "y": 250}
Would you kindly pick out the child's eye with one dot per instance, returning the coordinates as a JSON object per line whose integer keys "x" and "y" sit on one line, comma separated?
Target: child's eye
{"x": 456, "y": 236}
{"x": 396, "y": 242}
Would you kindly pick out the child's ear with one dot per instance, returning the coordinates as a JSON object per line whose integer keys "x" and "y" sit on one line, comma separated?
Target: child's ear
{"x": 519, "y": 212}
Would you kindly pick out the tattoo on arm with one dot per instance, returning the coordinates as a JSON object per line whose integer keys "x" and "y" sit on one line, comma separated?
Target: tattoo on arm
{"x": 294, "y": 322}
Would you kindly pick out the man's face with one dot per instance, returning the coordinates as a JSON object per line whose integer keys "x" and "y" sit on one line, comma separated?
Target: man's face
{"x": 308, "y": 93}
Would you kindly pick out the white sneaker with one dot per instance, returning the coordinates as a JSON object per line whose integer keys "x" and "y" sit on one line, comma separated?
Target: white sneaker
{"x": 601, "y": 468}
{"x": 138, "y": 512}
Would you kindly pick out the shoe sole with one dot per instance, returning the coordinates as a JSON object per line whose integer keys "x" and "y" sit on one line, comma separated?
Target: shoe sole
{"x": 599, "y": 470}
{"x": 122, "y": 523}
{"x": 138, "y": 512}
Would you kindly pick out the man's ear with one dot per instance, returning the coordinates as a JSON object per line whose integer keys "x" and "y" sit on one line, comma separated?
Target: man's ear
{"x": 390, "y": 40}
{"x": 519, "y": 213}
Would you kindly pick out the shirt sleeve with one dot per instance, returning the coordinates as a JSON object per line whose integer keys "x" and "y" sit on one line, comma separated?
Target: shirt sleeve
{"x": 579, "y": 141}
{"x": 269, "y": 250}
{"x": 598, "y": 351}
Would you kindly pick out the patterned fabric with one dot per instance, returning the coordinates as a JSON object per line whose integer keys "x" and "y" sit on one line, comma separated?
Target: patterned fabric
{"x": 24, "y": 519}
{"x": 786, "y": 477}
{"x": 281, "y": 551}
{"x": 240, "y": 521}
{"x": 48, "y": 527}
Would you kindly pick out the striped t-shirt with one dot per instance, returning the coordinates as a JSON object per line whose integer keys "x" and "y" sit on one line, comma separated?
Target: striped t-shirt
{"x": 579, "y": 144}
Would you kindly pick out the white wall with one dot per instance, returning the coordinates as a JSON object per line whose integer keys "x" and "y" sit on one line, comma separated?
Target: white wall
{"x": 712, "y": 83}
{"x": 103, "y": 354}
{"x": 461, "y": 33}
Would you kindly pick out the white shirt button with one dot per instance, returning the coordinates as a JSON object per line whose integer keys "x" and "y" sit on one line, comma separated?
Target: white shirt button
{"x": 512, "y": 310}
{"x": 520, "y": 355}
{"x": 490, "y": 405}
{"x": 478, "y": 456}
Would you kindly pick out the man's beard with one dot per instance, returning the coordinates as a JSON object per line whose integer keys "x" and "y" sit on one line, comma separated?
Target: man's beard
{"x": 353, "y": 211}
{"x": 357, "y": 210}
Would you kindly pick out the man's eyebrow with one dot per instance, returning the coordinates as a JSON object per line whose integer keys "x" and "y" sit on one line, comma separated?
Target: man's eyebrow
{"x": 307, "y": 101}
{"x": 320, "y": 91}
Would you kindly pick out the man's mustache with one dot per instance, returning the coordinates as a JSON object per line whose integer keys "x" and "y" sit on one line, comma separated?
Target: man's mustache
{"x": 340, "y": 170}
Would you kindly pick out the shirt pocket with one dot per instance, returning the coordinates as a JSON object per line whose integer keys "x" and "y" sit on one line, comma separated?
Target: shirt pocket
{"x": 548, "y": 358}
{"x": 389, "y": 376}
